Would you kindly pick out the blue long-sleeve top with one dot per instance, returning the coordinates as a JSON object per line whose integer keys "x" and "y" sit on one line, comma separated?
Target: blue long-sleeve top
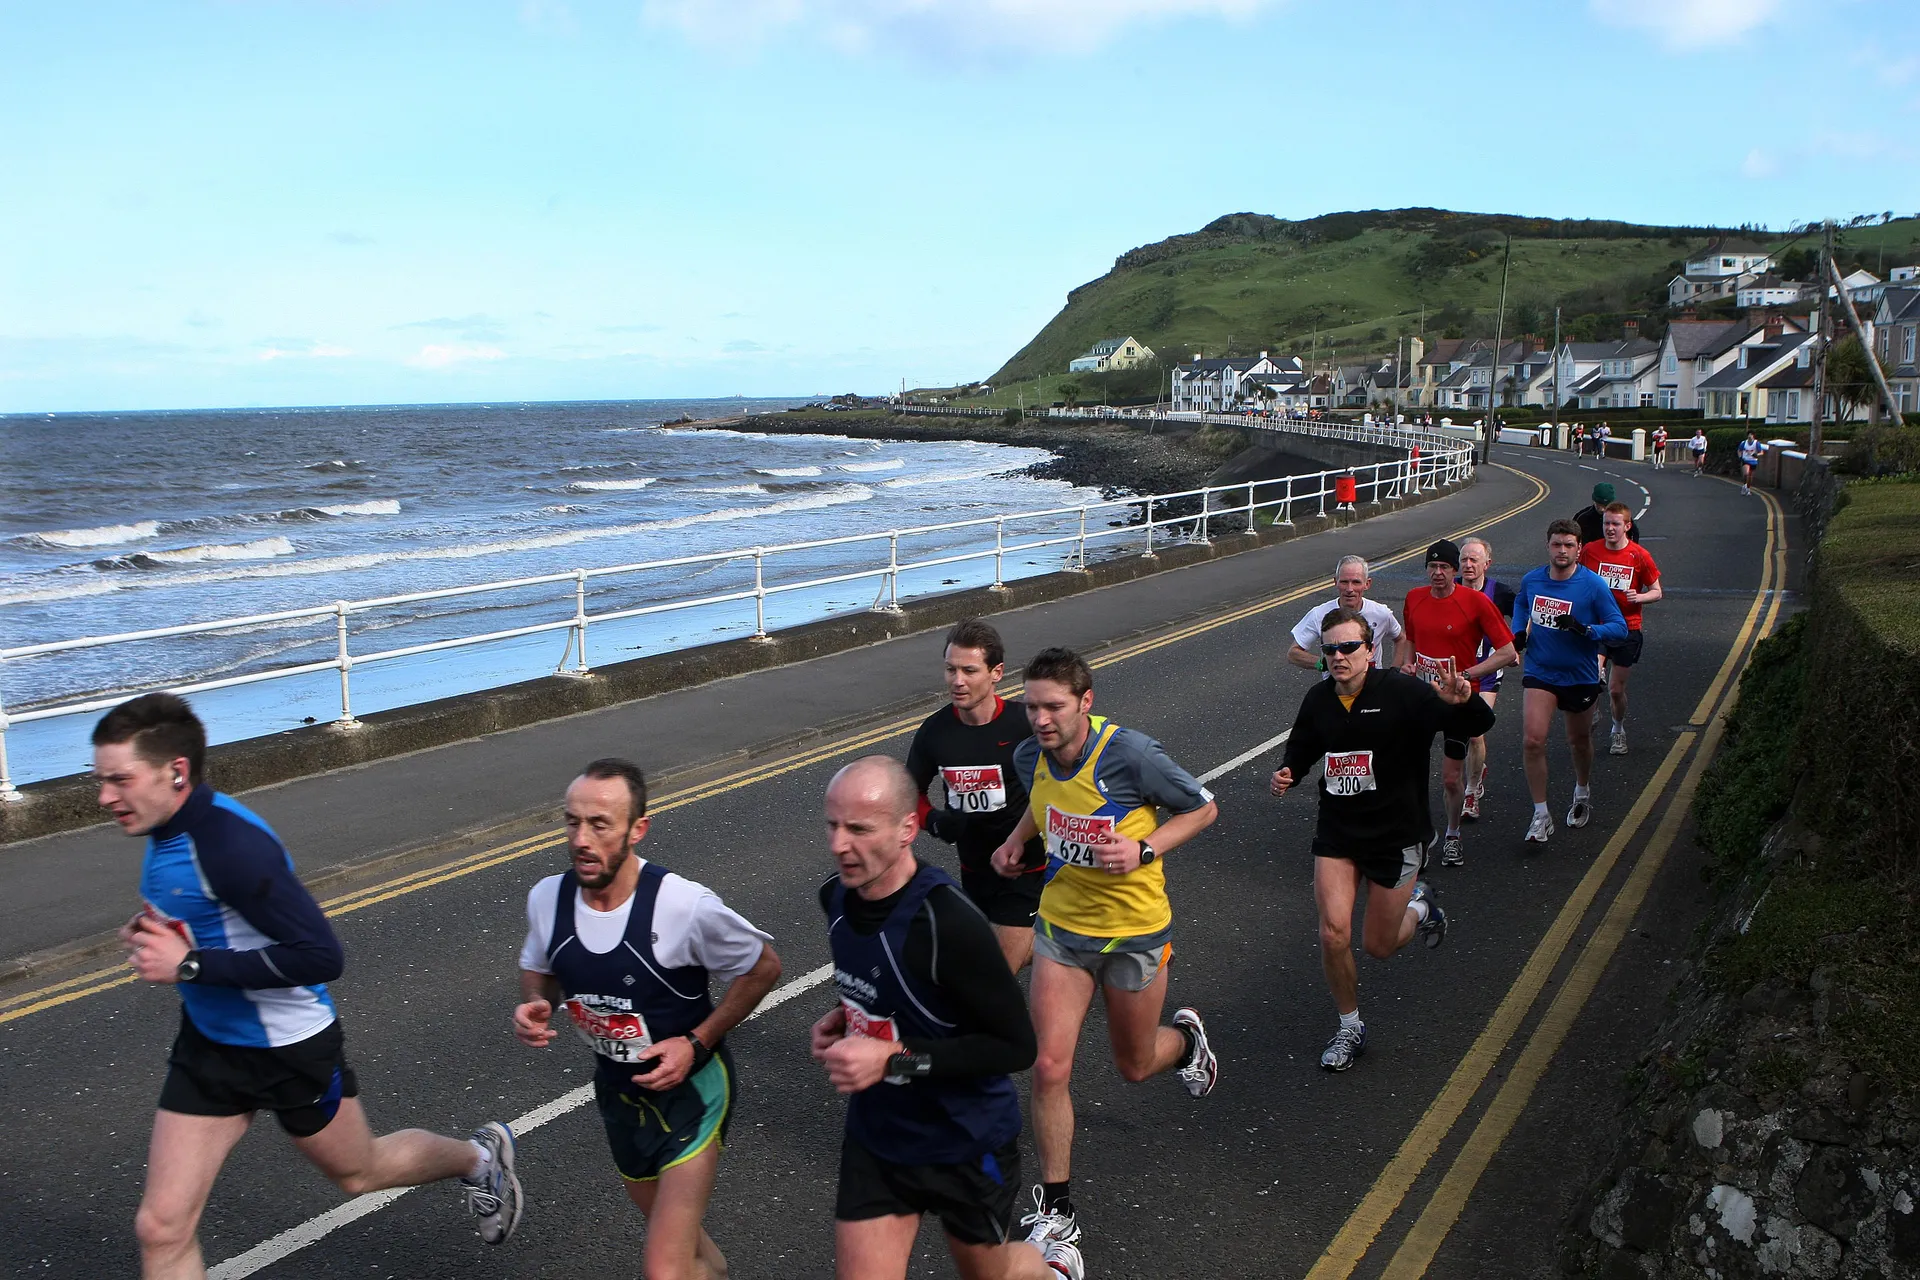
{"x": 1560, "y": 657}
{"x": 218, "y": 872}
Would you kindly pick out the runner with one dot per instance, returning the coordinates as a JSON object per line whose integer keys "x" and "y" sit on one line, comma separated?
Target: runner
{"x": 627, "y": 948}
{"x": 1698, "y": 448}
{"x": 1751, "y": 451}
{"x": 929, "y": 1025}
{"x": 1104, "y": 920}
{"x": 1565, "y": 613}
{"x": 1476, "y": 567}
{"x": 1630, "y": 571}
{"x": 1660, "y": 448}
{"x": 1351, "y": 582}
{"x": 969, "y": 746}
{"x": 1374, "y": 730}
{"x": 230, "y": 925}
{"x": 1591, "y": 517}
{"x": 1447, "y": 631}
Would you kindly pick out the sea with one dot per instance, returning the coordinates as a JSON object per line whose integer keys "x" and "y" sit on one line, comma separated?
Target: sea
{"x": 123, "y": 522}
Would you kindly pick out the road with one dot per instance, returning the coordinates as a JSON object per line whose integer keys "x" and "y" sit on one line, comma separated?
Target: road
{"x": 1454, "y": 1148}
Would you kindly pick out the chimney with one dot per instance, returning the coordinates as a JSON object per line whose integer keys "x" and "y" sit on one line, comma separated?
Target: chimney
{"x": 1688, "y": 313}
{"x": 1263, "y": 355}
{"x": 1774, "y": 325}
{"x": 1631, "y": 330}
{"x": 1756, "y": 316}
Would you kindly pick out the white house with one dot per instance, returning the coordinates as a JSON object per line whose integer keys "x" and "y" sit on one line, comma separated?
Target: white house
{"x": 1216, "y": 386}
{"x": 1720, "y": 270}
{"x": 1691, "y": 352}
{"x": 1896, "y": 330}
{"x": 1737, "y": 391}
{"x": 1770, "y": 290}
{"x": 1610, "y": 375}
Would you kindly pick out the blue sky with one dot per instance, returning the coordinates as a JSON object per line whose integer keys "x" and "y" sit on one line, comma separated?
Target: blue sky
{"x": 347, "y": 201}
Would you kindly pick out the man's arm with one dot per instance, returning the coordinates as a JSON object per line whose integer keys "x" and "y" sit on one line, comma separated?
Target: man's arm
{"x": 247, "y": 869}
{"x": 1305, "y": 632}
{"x": 1299, "y": 657}
{"x": 719, "y": 940}
{"x": 962, "y": 957}
{"x": 1611, "y": 628}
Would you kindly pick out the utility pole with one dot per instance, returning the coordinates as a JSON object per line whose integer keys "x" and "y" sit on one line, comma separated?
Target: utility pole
{"x": 1556, "y": 377}
{"x": 1493, "y": 383}
{"x": 1818, "y": 417}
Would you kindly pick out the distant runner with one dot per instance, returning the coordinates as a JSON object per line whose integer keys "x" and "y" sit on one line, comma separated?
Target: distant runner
{"x": 228, "y": 923}
{"x": 1351, "y": 582}
{"x": 1476, "y": 566}
{"x": 1105, "y": 921}
{"x": 1660, "y": 448}
{"x": 1634, "y": 578}
{"x": 1591, "y": 517}
{"x": 968, "y": 747}
{"x": 628, "y": 949}
{"x": 1566, "y": 613}
{"x": 1446, "y": 630}
{"x": 929, "y": 1025}
{"x": 1373, "y": 732}
{"x": 1697, "y": 446}
{"x": 1751, "y": 451}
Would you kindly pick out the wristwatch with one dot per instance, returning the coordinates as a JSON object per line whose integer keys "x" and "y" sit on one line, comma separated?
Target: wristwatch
{"x": 905, "y": 1066}
{"x": 189, "y": 970}
{"x": 1146, "y": 853}
{"x": 701, "y": 1054}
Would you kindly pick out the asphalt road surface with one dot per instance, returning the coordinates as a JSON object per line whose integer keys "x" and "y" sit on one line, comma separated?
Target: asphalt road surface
{"x": 1480, "y": 1110}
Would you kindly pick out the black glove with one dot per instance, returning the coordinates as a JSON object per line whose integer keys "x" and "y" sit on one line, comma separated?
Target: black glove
{"x": 1571, "y": 625}
{"x": 946, "y": 824}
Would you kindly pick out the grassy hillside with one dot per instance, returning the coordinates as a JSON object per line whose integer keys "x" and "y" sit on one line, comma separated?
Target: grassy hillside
{"x": 1248, "y": 283}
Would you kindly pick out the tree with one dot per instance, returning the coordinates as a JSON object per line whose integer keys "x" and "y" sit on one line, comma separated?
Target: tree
{"x": 1526, "y": 318}
{"x": 1070, "y": 392}
{"x": 1849, "y": 378}
{"x": 1797, "y": 264}
{"x": 1453, "y": 331}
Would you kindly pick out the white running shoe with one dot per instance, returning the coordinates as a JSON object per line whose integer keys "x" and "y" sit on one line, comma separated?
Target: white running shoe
{"x": 1540, "y": 828}
{"x": 1617, "y": 741}
{"x": 1046, "y": 1229}
{"x": 1347, "y": 1045}
{"x": 1580, "y": 811}
{"x": 1201, "y": 1071}
{"x": 1064, "y": 1258}
{"x": 494, "y": 1196}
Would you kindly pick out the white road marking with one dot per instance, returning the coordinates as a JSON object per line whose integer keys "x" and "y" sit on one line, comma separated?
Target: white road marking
{"x": 294, "y": 1239}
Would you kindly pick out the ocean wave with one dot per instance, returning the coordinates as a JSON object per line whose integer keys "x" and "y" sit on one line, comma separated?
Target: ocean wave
{"x": 728, "y": 488}
{"x": 329, "y": 565}
{"x": 788, "y": 472}
{"x": 888, "y": 464}
{"x": 264, "y": 549}
{"x": 609, "y": 486}
{"x": 107, "y": 535}
{"x": 337, "y": 464}
{"x": 951, "y": 477}
{"x": 377, "y": 507}
{"x": 565, "y": 509}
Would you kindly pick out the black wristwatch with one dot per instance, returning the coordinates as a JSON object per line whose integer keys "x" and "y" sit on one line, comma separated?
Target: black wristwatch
{"x": 189, "y": 970}
{"x": 905, "y": 1065}
{"x": 701, "y": 1054}
{"x": 1146, "y": 853}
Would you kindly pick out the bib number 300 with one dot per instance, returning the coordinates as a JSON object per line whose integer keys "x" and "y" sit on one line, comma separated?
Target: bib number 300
{"x": 1071, "y": 837}
{"x": 1349, "y": 773}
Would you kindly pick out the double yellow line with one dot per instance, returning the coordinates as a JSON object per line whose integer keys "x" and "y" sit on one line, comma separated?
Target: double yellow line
{"x": 106, "y": 979}
{"x": 1449, "y": 1200}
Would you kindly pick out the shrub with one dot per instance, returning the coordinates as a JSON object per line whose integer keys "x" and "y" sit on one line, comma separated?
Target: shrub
{"x": 1011, "y": 418}
{"x": 1882, "y": 449}
{"x": 1748, "y": 785}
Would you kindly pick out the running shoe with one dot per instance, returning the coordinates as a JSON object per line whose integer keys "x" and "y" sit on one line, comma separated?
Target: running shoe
{"x": 494, "y": 1195}
{"x": 1580, "y": 811}
{"x": 1617, "y": 741}
{"x": 1064, "y": 1258}
{"x": 1201, "y": 1070}
{"x": 1453, "y": 851}
{"x": 1348, "y": 1043}
{"x": 1432, "y": 930}
{"x": 1045, "y": 1229}
{"x": 1540, "y": 828}
{"x": 1470, "y": 806}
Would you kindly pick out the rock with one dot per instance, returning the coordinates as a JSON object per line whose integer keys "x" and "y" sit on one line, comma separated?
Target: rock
{"x": 1860, "y": 1090}
{"x": 1648, "y": 1212}
{"x": 1822, "y": 1124}
{"x": 1773, "y": 997}
{"x": 1735, "y": 1210}
{"x": 1903, "y": 1228}
{"x": 1796, "y": 1249}
{"x": 1831, "y": 1194}
{"x": 1708, "y": 1128}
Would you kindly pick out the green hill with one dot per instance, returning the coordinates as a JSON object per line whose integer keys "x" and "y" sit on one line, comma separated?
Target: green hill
{"x": 1352, "y": 283}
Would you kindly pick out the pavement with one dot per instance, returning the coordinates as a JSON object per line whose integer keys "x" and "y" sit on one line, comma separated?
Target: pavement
{"x": 1455, "y": 1148}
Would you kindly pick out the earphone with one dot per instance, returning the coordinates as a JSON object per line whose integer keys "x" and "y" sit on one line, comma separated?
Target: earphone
{"x": 179, "y": 783}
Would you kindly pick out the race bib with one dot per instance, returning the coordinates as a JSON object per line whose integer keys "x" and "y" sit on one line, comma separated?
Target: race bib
{"x": 1072, "y": 836}
{"x": 975, "y": 788}
{"x": 1432, "y": 670}
{"x": 1547, "y": 608}
{"x": 1349, "y": 772}
{"x": 862, "y": 1023}
{"x": 1618, "y": 576}
{"x": 620, "y": 1036}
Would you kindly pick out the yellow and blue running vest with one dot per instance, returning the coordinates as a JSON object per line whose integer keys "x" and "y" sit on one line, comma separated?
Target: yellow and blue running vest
{"x": 1071, "y": 813}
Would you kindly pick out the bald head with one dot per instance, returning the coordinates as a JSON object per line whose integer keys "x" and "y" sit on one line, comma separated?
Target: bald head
{"x": 872, "y": 819}
{"x": 878, "y": 780}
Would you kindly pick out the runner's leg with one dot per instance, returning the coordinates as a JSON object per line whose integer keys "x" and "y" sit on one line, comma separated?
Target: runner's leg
{"x": 1142, "y": 1048}
{"x": 1579, "y": 743}
{"x": 1335, "y": 884}
{"x": 358, "y": 1162}
{"x": 1617, "y": 692}
{"x": 678, "y": 1247}
{"x": 1015, "y": 1261}
{"x": 1453, "y": 782}
{"x": 1389, "y": 925}
{"x": 1061, "y": 996}
{"x": 183, "y": 1158}
{"x": 1538, "y": 706}
{"x": 874, "y": 1248}
{"x": 1016, "y": 944}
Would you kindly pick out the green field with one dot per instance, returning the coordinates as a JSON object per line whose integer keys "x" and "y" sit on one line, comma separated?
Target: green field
{"x": 1346, "y": 286}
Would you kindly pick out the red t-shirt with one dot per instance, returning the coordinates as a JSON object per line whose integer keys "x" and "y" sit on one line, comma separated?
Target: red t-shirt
{"x": 1447, "y": 632}
{"x": 1630, "y": 569}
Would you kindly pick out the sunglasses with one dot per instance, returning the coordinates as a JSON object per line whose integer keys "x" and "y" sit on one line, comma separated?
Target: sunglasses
{"x": 1345, "y": 646}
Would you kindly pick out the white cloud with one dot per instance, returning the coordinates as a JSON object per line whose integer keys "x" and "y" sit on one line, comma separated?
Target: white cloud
{"x": 934, "y": 27}
{"x": 438, "y": 355}
{"x": 312, "y": 351}
{"x": 1689, "y": 25}
{"x": 1759, "y": 164}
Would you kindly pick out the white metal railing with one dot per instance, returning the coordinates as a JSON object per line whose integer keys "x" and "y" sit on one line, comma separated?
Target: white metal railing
{"x": 1432, "y": 462}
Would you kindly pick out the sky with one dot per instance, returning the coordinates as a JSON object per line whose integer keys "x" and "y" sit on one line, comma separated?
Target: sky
{"x": 274, "y": 202}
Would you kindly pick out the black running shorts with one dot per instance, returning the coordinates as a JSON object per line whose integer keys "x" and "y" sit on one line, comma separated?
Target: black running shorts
{"x": 974, "y": 1201}
{"x": 1388, "y": 868}
{"x": 1453, "y": 748}
{"x": 1627, "y": 652}
{"x": 651, "y": 1131}
{"x": 1010, "y": 901}
{"x": 301, "y": 1083}
{"x": 1573, "y": 698}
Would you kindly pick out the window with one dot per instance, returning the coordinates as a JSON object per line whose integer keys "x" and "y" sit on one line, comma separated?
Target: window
{"x": 1703, "y": 365}
{"x": 1646, "y": 399}
{"x": 1906, "y": 343}
{"x": 1793, "y": 406}
{"x": 1672, "y": 364}
{"x": 1669, "y": 398}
